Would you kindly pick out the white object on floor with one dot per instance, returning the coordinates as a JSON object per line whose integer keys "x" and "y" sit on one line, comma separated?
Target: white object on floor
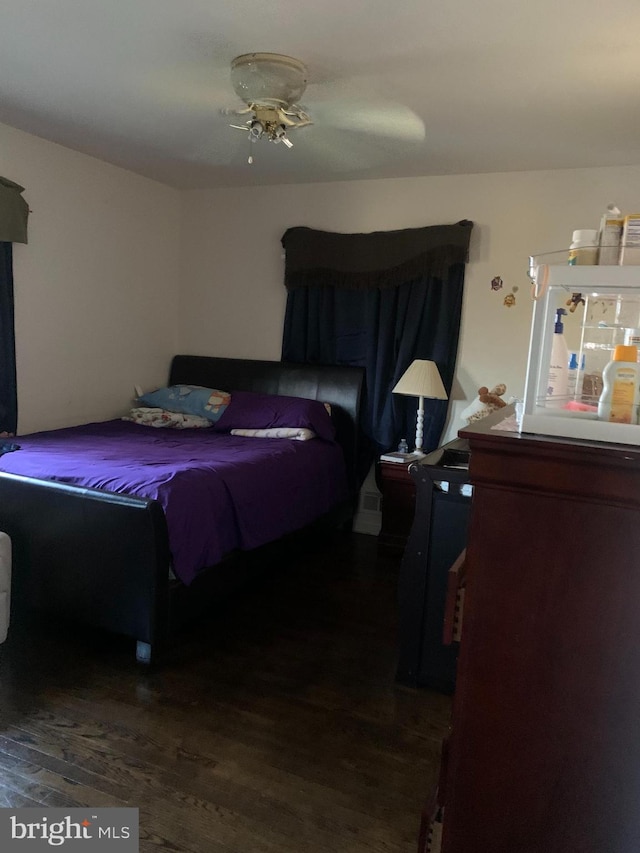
{"x": 5, "y": 585}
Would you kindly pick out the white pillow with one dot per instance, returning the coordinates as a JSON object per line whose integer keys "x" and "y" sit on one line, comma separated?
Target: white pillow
{"x": 297, "y": 433}
{"x": 161, "y": 418}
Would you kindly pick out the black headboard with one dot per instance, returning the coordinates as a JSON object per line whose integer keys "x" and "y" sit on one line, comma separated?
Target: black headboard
{"x": 338, "y": 385}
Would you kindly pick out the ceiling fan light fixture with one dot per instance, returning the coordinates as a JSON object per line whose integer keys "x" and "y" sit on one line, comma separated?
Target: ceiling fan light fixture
{"x": 269, "y": 79}
{"x": 256, "y": 129}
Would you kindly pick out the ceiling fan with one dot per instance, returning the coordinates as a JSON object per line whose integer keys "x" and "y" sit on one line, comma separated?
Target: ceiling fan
{"x": 270, "y": 85}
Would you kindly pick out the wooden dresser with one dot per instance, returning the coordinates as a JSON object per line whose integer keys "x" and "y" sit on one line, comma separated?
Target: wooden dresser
{"x": 544, "y": 751}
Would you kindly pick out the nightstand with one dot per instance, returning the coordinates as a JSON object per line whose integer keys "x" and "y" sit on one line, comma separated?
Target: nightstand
{"x": 398, "y": 505}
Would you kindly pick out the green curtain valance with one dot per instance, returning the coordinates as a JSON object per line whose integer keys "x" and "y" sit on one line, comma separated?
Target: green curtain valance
{"x": 14, "y": 213}
{"x": 380, "y": 259}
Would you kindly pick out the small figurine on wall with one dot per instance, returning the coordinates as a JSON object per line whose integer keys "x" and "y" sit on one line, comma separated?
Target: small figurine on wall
{"x": 510, "y": 298}
{"x": 574, "y": 300}
{"x": 496, "y": 283}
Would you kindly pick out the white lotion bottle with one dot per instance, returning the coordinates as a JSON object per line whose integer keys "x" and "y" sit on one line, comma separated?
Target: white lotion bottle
{"x": 558, "y": 381}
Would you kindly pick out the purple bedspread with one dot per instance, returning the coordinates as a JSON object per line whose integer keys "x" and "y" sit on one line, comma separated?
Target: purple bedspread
{"x": 219, "y": 492}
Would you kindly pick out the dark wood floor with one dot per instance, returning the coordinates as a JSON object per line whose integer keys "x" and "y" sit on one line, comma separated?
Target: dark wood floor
{"x": 274, "y": 727}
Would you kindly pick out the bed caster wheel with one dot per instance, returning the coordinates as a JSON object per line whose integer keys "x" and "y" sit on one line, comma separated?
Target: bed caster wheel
{"x": 143, "y": 652}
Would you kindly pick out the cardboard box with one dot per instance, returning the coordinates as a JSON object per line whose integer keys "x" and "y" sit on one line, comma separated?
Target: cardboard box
{"x": 630, "y": 245}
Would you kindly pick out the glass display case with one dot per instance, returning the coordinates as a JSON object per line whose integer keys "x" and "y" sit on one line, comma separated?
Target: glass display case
{"x": 596, "y": 308}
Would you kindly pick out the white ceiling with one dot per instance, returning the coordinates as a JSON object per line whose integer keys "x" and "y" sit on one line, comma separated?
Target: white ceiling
{"x": 475, "y": 85}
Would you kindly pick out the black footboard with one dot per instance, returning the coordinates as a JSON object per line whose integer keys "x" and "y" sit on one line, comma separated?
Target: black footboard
{"x": 89, "y": 555}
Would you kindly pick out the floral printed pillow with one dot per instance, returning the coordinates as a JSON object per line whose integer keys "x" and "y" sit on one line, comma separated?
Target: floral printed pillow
{"x": 189, "y": 400}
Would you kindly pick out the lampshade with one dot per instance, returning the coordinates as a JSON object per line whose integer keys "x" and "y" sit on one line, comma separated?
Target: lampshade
{"x": 421, "y": 379}
{"x": 270, "y": 79}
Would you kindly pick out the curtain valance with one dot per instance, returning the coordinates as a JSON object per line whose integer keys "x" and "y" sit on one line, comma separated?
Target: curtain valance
{"x": 14, "y": 212}
{"x": 381, "y": 259}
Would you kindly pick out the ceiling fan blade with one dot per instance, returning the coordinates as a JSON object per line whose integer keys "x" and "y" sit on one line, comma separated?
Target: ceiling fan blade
{"x": 383, "y": 118}
{"x": 236, "y": 111}
{"x": 341, "y": 153}
{"x": 196, "y": 85}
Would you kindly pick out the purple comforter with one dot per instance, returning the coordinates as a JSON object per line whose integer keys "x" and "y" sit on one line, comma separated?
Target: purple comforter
{"x": 219, "y": 492}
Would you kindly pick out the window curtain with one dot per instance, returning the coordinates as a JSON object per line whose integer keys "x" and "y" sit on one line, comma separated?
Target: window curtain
{"x": 8, "y": 393}
{"x": 378, "y": 300}
{"x": 14, "y": 213}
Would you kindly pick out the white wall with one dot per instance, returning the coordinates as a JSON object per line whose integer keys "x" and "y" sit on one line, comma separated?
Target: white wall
{"x": 233, "y": 266}
{"x": 96, "y": 288}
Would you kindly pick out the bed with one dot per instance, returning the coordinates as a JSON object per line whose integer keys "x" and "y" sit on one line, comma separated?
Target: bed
{"x": 110, "y": 556}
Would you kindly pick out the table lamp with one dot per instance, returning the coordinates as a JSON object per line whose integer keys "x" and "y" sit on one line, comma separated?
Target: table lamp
{"x": 421, "y": 379}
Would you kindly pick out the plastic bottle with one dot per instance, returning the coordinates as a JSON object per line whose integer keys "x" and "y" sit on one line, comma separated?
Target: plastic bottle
{"x": 580, "y": 382}
{"x": 557, "y": 384}
{"x": 572, "y": 376}
{"x": 575, "y": 377}
{"x": 584, "y": 248}
{"x": 610, "y": 235}
{"x": 403, "y": 447}
{"x": 621, "y": 391}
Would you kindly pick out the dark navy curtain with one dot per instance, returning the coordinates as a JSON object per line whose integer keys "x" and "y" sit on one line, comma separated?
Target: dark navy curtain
{"x": 14, "y": 215}
{"x": 378, "y": 300}
{"x": 8, "y": 395}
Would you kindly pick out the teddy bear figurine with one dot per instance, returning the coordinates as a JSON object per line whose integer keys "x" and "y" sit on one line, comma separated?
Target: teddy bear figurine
{"x": 486, "y": 402}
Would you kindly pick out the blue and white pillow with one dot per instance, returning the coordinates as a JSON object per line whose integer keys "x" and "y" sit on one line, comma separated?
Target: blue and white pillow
{"x": 189, "y": 400}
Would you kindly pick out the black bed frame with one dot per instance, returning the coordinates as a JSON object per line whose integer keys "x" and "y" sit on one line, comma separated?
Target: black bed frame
{"x": 103, "y": 558}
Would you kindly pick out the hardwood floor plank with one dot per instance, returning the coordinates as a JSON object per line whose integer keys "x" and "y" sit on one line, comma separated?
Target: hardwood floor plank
{"x": 57, "y": 775}
{"x": 10, "y": 799}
